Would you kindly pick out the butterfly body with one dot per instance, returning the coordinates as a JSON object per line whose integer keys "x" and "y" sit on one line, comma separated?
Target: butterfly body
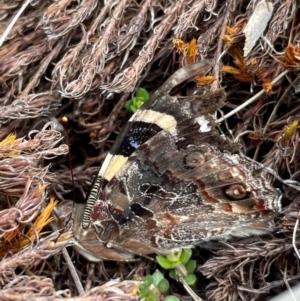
{"x": 172, "y": 181}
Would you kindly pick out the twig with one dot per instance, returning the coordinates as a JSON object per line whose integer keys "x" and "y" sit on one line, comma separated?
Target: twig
{"x": 252, "y": 99}
{"x": 14, "y": 20}
{"x": 73, "y": 271}
{"x": 294, "y": 238}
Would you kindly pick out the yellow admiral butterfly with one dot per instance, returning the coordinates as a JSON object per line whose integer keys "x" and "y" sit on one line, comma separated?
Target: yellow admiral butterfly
{"x": 172, "y": 181}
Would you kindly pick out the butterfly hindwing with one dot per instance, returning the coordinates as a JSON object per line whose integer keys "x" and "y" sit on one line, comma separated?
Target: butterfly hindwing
{"x": 172, "y": 181}
{"x": 178, "y": 190}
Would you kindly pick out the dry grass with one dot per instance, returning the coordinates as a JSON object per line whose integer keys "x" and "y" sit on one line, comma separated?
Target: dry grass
{"x": 82, "y": 59}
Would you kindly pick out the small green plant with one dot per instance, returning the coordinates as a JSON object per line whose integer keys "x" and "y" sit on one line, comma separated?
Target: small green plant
{"x": 140, "y": 97}
{"x": 178, "y": 262}
{"x": 155, "y": 287}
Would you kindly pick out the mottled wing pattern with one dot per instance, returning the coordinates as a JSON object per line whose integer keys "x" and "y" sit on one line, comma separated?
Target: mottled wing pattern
{"x": 160, "y": 113}
{"x": 172, "y": 181}
{"x": 173, "y": 193}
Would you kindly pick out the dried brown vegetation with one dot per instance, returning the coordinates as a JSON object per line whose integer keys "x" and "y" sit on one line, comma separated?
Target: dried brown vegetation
{"x": 82, "y": 59}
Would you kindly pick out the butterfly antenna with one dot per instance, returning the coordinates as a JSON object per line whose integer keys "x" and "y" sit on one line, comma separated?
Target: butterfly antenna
{"x": 66, "y": 255}
{"x": 65, "y": 121}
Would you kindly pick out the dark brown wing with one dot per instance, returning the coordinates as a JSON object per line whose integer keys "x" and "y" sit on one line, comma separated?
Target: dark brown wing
{"x": 179, "y": 190}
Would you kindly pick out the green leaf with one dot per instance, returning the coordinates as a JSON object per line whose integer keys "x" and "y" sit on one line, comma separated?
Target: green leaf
{"x": 185, "y": 255}
{"x": 175, "y": 264}
{"x": 164, "y": 262}
{"x": 171, "y": 298}
{"x": 191, "y": 266}
{"x": 143, "y": 93}
{"x": 128, "y": 105}
{"x": 163, "y": 285}
{"x": 167, "y": 264}
{"x": 152, "y": 297}
{"x": 134, "y": 104}
{"x": 144, "y": 293}
{"x": 172, "y": 274}
{"x": 138, "y": 102}
{"x": 190, "y": 279}
{"x": 140, "y": 97}
{"x": 157, "y": 277}
{"x": 148, "y": 280}
{"x": 174, "y": 255}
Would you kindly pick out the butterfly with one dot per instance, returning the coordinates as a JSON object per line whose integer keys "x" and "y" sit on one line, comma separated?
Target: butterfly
{"x": 172, "y": 181}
